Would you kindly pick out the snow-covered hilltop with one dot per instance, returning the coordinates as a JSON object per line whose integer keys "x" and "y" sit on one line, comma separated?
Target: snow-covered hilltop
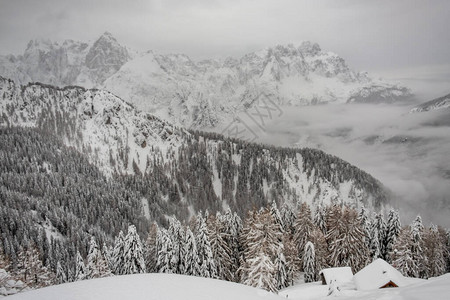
{"x": 202, "y": 94}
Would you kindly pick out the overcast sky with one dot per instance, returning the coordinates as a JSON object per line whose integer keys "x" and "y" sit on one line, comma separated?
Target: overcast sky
{"x": 370, "y": 35}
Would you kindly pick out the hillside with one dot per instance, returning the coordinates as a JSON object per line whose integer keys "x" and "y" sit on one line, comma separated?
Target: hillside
{"x": 148, "y": 287}
{"x": 200, "y": 94}
{"x": 119, "y": 139}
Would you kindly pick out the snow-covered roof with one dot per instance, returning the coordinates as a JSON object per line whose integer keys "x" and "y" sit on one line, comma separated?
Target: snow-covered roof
{"x": 342, "y": 274}
{"x": 377, "y": 274}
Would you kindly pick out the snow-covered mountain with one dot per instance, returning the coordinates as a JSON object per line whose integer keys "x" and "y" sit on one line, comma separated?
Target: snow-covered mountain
{"x": 438, "y": 103}
{"x": 204, "y": 94}
{"x": 120, "y": 139}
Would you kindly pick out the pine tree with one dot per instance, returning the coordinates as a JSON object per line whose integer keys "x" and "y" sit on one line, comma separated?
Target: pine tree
{"x": 303, "y": 227}
{"x": 380, "y": 225}
{"x": 288, "y": 217}
{"x": 281, "y": 269}
{"x": 345, "y": 238}
{"x": 165, "y": 252}
{"x": 222, "y": 253}
{"x": 97, "y": 266}
{"x": 133, "y": 262}
{"x": 177, "y": 236}
{"x": 190, "y": 257}
{"x": 417, "y": 248}
{"x": 261, "y": 272}
{"x": 366, "y": 225}
{"x": 292, "y": 260}
{"x": 118, "y": 255}
{"x": 402, "y": 256}
{"x": 61, "y": 276}
{"x": 80, "y": 269}
{"x": 309, "y": 262}
{"x": 151, "y": 248}
{"x": 320, "y": 218}
{"x": 434, "y": 252}
{"x": 374, "y": 243}
{"x": 31, "y": 270}
{"x": 207, "y": 264}
{"x": 392, "y": 231}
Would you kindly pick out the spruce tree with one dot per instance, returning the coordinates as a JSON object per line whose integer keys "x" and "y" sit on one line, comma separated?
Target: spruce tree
{"x": 133, "y": 262}
{"x": 261, "y": 272}
{"x": 190, "y": 257}
{"x": 165, "y": 252}
{"x": 61, "y": 276}
{"x": 393, "y": 228}
{"x": 309, "y": 262}
{"x": 118, "y": 255}
{"x": 281, "y": 269}
{"x": 303, "y": 228}
{"x": 80, "y": 268}
{"x": 207, "y": 264}
{"x": 151, "y": 248}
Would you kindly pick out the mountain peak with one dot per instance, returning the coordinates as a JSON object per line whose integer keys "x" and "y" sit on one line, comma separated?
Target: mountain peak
{"x": 106, "y": 56}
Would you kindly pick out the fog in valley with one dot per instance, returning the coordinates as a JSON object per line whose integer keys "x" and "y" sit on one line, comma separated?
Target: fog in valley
{"x": 407, "y": 152}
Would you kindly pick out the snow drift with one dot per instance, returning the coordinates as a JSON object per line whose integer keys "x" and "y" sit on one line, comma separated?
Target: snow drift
{"x": 148, "y": 287}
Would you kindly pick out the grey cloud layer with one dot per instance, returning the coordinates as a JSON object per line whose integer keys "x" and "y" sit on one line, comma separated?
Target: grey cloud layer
{"x": 370, "y": 34}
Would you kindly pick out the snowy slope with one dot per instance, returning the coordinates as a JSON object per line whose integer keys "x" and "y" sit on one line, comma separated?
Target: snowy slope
{"x": 148, "y": 287}
{"x": 119, "y": 138}
{"x": 435, "y": 288}
{"x": 204, "y": 94}
{"x": 96, "y": 122}
{"x": 438, "y": 103}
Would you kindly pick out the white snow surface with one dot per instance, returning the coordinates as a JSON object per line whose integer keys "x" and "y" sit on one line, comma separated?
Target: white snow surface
{"x": 148, "y": 287}
{"x": 379, "y": 273}
{"x": 340, "y": 275}
{"x": 435, "y": 288}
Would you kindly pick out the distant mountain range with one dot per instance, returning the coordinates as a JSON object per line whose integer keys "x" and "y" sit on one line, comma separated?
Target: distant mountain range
{"x": 203, "y": 94}
{"x": 438, "y": 103}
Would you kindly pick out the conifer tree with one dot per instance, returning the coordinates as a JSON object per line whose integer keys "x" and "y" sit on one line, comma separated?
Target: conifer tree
{"x": 402, "y": 256}
{"x": 31, "y": 270}
{"x": 288, "y": 217}
{"x": 61, "y": 276}
{"x": 165, "y": 252}
{"x": 366, "y": 225}
{"x": 80, "y": 269}
{"x": 151, "y": 248}
{"x": 133, "y": 253}
{"x": 417, "y": 248}
{"x": 309, "y": 262}
{"x": 320, "y": 218}
{"x": 222, "y": 253}
{"x": 207, "y": 264}
{"x": 393, "y": 228}
{"x": 380, "y": 225}
{"x": 346, "y": 239}
{"x": 303, "y": 228}
{"x": 261, "y": 272}
{"x": 97, "y": 266}
{"x": 119, "y": 254}
{"x": 281, "y": 269}
{"x": 190, "y": 258}
{"x": 434, "y": 252}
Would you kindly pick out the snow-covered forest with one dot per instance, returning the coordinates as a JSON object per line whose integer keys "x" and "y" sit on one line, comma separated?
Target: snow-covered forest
{"x": 268, "y": 248}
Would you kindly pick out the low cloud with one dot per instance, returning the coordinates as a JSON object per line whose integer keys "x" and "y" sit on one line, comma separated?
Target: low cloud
{"x": 402, "y": 150}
